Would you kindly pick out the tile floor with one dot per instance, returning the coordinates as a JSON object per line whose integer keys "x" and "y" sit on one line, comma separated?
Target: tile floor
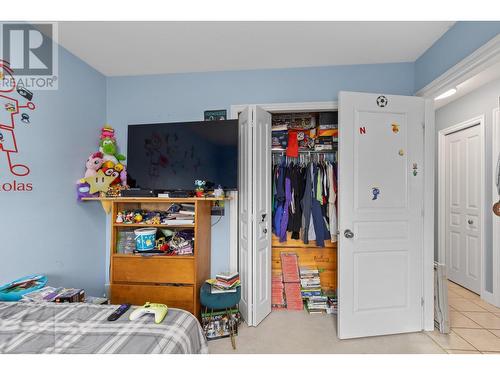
{"x": 475, "y": 324}
{"x": 475, "y": 329}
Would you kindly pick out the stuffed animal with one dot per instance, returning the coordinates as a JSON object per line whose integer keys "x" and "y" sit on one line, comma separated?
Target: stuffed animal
{"x": 108, "y": 147}
{"x": 94, "y": 162}
{"x": 113, "y": 172}
{"x": 83, "y": 190}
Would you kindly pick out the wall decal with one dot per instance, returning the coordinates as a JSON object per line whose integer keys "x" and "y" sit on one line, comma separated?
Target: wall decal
{"x": 401, "y": 152}
{"x": 376, "y": 193}
{"x": 395, "y": 128}
{"x": 415, "y": 169}
{"x": 382, "y": 101}
{"x": 362, "y": 130}
{"x": 12, "y": 106}
{"x": 25, "y": 118}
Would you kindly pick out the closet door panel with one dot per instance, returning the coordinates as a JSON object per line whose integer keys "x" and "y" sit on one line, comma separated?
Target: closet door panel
{"x": 261, "y": 178}
{"x": 380, "y": 214}
{"x": 245, "y": 212}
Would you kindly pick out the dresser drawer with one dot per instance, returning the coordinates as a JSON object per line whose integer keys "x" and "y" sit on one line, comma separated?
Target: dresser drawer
{"x": 180, "y": 297}
{"x": 138, "y": 269}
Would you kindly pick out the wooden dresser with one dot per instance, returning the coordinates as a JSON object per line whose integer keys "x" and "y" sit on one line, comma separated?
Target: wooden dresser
{"x": 172, "y": 280}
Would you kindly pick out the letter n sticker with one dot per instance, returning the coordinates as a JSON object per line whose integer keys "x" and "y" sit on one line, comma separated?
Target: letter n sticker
{"x": 362, "y": 130}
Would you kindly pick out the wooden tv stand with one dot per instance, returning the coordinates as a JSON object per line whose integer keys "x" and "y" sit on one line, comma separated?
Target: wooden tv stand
{"x": 172, "y": 280}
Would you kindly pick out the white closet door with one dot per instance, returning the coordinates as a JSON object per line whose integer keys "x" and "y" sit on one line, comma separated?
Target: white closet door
{"x": 262, "y": 190}
{"x": 245, "y": 212}
{"x": 380, "y": 200}
{"x": 255, "y": 214}
{"x": 463, "y": 207}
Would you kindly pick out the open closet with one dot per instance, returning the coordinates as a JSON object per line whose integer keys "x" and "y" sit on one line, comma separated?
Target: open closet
{"x": 376, "y": 198}
{"x": 304, "y": 211}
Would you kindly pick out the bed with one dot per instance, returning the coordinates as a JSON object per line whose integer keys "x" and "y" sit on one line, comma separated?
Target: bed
{"x": 77, "y": 328}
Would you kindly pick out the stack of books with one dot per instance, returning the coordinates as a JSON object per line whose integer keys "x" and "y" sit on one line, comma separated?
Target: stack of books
{"x": 225, "y": 282}
{"x": 277, "y": 291}
{"x": 314, "y": 300}
{"x": 332, "y": 302}
{"x": 58, "y": 295}
{"x": 290, "y": 268}
{"x": 185, "y": 215}
{"x": 317, "y": 304}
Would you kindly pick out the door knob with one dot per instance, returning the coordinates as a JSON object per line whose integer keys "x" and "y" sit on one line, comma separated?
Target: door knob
{"x": 470, "y": 221}
{"x": 348, "y": 233}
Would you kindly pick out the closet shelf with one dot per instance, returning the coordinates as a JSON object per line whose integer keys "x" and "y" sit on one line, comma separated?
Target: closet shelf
{"x": 307, "y": 151}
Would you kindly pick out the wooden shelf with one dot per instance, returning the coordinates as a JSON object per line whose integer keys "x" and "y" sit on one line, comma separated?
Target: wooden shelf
{"x": 155, "y": 199}
{"x": 153, "y": 225}
{"x": 172, "y": 280}
{"x": 156, "y": 256}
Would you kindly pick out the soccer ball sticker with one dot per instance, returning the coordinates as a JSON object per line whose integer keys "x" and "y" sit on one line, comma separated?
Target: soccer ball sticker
{"x": 382, "y": 101}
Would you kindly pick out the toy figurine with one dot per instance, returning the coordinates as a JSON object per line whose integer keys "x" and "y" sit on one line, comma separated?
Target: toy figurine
{"x": 219, "y": 192}
{"x": 199, "y": 187}
{"x": 119, "y": 217}
{"x": 129, "y": 218}
{"x": 137, "y": 217}
{"x": 161, "y": 244}
{"x": 94, "y": 162}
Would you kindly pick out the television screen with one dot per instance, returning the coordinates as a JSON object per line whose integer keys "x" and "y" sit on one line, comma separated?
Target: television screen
{"x": 171, "y": 156}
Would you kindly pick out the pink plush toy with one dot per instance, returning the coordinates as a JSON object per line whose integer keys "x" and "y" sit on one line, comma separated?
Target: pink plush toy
{"x": 94, "y": 162}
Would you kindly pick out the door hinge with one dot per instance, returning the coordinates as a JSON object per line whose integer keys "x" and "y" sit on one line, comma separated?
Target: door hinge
{"x": 422, "y": 301}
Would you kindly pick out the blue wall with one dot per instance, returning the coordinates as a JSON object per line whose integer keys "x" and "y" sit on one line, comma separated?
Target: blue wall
{"x": 66, "y": 123}
{"x": 461, "y": 40}
{"x": 184, "y": 97}
{"x": 45, "y": 230}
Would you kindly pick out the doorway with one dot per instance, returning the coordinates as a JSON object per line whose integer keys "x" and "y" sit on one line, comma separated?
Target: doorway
{"x": 461, "y": 203}
{"x": 417, "y": 160}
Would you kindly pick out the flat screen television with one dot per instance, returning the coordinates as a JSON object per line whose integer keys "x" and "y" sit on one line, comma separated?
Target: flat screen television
{"x": 171, "y": 156}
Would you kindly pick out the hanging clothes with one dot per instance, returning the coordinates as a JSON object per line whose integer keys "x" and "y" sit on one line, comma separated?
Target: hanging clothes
{"x": 288, "y": 198}
{"x": 280, "y": 198}
{"x": 304, "y": 200}
{"x": 320, "y": 227}
{"x": 332, "y": 197}
{"x": 298, "y": 183}
{"x": 307, "y": 202}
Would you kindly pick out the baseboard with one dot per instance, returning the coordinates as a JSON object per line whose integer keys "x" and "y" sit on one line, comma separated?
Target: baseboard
{"x": 489, "y": 297}
{"x": 106, "y": 290}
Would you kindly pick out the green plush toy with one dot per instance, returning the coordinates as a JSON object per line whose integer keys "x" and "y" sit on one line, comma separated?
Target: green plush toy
{"x": 107, "y": 145}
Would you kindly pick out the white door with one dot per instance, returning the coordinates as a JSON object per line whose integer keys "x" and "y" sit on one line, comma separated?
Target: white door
{"x": 381, "y": 202}
{"x": 255, "y": 214}
{"x": 245, "y": 214}
{"x": 262, "y": 191}
{"x": 463, "y": 207}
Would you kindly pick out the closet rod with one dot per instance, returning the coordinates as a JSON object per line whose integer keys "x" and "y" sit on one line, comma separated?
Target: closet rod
{"x": 282, "y": 152}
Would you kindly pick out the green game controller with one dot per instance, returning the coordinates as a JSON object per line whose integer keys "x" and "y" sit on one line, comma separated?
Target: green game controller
{"x": 160, "y": 311}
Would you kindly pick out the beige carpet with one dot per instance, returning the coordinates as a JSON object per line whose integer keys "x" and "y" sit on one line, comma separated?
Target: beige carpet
{"x": 299, "y": 332}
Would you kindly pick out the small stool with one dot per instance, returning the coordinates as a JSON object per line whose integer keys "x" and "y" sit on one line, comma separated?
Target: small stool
{"x": 221, "y": 301}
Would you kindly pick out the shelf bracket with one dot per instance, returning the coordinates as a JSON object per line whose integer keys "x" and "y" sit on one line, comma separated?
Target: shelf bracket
{"x": 106, "y": 206}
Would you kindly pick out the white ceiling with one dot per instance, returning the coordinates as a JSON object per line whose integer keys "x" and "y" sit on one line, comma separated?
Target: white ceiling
{"x": 137, "y": 48}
